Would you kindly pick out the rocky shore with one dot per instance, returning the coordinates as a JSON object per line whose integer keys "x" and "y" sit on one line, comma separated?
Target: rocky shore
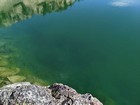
{"x": 25, "y": 93}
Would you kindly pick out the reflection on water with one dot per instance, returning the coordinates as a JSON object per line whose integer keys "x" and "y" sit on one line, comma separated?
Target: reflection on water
{"x": 124, "y": 3}
{"x": 16, "y": 10}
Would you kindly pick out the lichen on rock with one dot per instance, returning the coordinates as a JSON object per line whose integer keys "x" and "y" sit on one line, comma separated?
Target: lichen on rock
{"x": 56, "y": 94}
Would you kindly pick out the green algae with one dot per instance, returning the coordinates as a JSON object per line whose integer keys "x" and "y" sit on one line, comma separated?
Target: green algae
{"x": 30, "y": 77}
{"x": 16, "y": 78}
{"x": 4, "y": 71}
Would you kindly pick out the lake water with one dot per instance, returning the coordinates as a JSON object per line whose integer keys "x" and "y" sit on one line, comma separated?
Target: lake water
{"x": 91, "y": 45}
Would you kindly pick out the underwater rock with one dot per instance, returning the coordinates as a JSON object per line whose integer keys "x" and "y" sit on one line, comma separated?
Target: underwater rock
{"x": 38, "y": 81}
{"x": 4, "y": 82}
{"x": 5, "y": 72}
{"x": 56, "y": 94}
{"x": 16, "y": 78}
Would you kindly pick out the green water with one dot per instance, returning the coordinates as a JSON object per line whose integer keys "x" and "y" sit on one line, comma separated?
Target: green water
{"x": 91, "y": 45}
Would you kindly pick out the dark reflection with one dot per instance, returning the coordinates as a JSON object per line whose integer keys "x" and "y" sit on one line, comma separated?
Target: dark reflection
{"x": 16, "y": 10}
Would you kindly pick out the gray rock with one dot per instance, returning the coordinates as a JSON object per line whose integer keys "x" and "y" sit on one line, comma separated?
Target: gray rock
{"x": 58, "y": 94}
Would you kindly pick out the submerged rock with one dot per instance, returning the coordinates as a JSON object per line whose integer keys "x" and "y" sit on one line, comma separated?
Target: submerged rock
{"x": 5, "y": 72}
{"x": 16, "y": 78}
{"x": 57, "y": 94}
{"x": 4, "y": 82}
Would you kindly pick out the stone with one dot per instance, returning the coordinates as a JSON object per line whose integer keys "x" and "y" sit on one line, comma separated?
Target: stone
{"x": 56, "y": 94}
{"x": 5, "y": 72}
{"x": 16, "y": 78}
{"x": 6, "y": 82}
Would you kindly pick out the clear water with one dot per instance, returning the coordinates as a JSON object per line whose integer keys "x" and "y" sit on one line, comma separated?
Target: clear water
{"x": 91, "y": 45}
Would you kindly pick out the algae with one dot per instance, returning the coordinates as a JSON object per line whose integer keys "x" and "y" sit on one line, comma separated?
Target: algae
{"x": 16, "y": 78}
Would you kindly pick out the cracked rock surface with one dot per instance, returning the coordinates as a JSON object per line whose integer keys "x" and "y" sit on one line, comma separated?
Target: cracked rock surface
{"x": 57, "y": 94}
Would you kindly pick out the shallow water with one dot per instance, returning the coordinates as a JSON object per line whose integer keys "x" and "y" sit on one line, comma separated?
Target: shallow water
{"x": 91, "y": 45}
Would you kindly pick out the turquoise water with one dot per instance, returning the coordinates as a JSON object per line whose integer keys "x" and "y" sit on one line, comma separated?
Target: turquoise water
{"x": 91, "y": 45}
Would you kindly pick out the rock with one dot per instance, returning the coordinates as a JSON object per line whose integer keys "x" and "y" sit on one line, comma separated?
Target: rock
{"x": 5, "y": 72}
{"x": 56, "y": 94}
{"x": 6, "y": 82}
{"x": 16, "y": 78}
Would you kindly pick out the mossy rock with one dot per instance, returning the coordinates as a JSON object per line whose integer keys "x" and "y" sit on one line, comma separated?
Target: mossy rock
{"x": 38, "y": 81}
{"x": 4, "y": 82}
{"x": 1, "y": 83}
{"x": 16, "y": 78}
{"x": 5, "y": 72}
